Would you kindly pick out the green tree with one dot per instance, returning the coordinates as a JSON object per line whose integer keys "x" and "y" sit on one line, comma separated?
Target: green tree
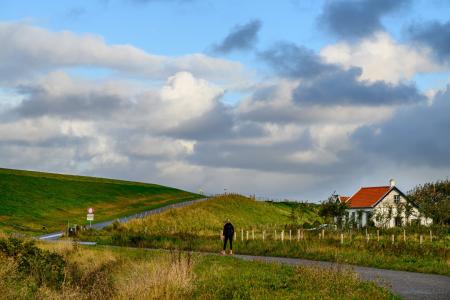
{"x": 332, "y": 209}
{"x": 433, "y": 200}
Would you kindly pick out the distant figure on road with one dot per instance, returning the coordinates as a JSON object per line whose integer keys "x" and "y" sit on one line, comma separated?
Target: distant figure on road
{"x": 227, "y": 235}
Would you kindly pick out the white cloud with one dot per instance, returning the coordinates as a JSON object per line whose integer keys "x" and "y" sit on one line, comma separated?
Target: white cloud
{"x": 382, "y": 58}
{"x": 27, "y": 49}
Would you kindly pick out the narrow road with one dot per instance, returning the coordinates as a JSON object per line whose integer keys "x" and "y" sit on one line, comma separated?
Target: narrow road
{"x": 57, "y": 235}
{"x": 408, "y": 285}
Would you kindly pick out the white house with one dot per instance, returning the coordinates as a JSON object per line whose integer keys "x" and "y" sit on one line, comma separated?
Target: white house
{"x": 385, "y": 206}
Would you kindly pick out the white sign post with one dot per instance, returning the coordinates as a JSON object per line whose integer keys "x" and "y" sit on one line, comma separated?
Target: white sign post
{"x": 90, "y": 216}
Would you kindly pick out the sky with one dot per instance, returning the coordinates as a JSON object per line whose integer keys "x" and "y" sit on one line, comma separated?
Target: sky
{"x": 292, "y": 99}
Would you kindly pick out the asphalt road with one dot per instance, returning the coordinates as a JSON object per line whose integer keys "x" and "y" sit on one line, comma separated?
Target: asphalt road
{"x": 57, "y": 235}
{"x": 408, "y": 285}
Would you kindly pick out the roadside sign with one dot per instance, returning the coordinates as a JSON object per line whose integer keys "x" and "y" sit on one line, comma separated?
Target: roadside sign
{"x": 90, "y": 217}
{"x": 90, "y": 210}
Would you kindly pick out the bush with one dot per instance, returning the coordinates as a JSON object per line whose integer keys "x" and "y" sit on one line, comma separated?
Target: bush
{"x": 47, "y": 268}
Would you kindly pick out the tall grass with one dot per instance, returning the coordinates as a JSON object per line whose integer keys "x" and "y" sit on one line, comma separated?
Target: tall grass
{"x": 120, "y": 273}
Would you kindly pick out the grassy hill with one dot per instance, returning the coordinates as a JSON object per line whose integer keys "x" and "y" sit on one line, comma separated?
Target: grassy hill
{"x": 30, "y": 200}
{"x": 206, "y": 218}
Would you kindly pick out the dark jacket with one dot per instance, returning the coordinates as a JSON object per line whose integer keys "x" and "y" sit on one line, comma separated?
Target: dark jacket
{"x": 228, "y": 230}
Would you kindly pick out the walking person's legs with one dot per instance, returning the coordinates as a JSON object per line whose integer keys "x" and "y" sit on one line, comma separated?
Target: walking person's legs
{"x": 231, "y": 245}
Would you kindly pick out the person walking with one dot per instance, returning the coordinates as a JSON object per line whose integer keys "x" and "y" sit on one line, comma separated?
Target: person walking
{"x": 227, "y": 235}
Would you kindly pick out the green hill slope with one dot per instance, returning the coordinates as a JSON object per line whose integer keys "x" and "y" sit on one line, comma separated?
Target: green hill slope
{"x": 207, "y": 218}
{"x": 30, "y": 200}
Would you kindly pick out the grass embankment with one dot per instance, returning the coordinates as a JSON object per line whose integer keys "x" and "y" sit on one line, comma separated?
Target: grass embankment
{"x": 31, "y": 200}
{"x": 119, "y": 273}
{"x": 197, "y": 228}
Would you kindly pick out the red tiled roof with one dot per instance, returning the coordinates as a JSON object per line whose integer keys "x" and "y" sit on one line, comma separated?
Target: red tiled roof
{"x": 367, "y": 196}
{"x": 343, "y": 199}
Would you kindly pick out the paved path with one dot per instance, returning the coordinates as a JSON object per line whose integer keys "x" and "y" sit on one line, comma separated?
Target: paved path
{"x": 408, "y": 285}
{"x": 57, "y": 235}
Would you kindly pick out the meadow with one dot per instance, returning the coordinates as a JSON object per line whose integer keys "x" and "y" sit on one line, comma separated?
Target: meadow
{"x": 75, "y": 272}
{"x": 37, "y": 202}
{"x": 198, "y": 227}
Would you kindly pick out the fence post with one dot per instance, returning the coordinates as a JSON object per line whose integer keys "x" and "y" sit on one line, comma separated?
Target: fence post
{"x": 298, "y": 235}
{"x": 275, "y": 234}
{"x": 342, "y": 238}
{"x": 404, "y": 235}
{"x": 235, "y": 235}
{"x": 242, "y": 234}
{"x": 253, "y": 234}
{"x": 282, "y": 235}
{"x": 263, "y": 235}
{"x": 431, "y": 236}
{"x": 323, "y": 234}
{"x": 367, "y": 237}
{"x": 421, "y": 240}
{"x": 290, "y": 235}
{"x": 247, "y": 235}
{"x": 392, "y": 239}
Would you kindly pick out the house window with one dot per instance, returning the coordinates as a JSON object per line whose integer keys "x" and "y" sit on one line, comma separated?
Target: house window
{"x": 397, "y": 199}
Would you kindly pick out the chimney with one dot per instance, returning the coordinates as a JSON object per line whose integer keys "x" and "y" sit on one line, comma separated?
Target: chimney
{"x": 392, "y": 182}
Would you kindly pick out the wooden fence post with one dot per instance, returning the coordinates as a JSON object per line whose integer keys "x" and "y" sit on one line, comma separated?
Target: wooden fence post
{"x": 235, "y": 235}
{"x": 323, "y": 234}
{"x": 392, "y": 239}
{"x": 421, "y": 240}
{"x": 290, "y": 235}
{"x": 242, "y": 234}
{"x": 378, "y": 235}
{"x": 282, "y": 235}
{"x": 263, "y": 235}
{"x": 404, "y": 235}
{"x": 246, "y": 238}
{"x": 431, "y": 236}
{"x": 342, "y": 238}
{"x": 275, "y": 235}
{"x": 298, "y": 235}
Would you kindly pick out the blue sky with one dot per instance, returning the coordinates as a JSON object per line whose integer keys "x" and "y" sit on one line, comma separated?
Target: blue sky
{"x": 279, "y": 98}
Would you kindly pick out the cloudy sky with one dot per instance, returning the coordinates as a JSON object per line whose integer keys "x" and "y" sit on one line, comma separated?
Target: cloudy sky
{"x": 290, "y": 98}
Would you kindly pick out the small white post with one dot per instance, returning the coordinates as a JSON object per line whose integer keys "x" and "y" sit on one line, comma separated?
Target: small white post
{"x": 378, "y": 235}
{"x": 263, "y": 235}
{"x": 342, "y": 238}
{"x": 421, "y": 239}
{"x": 367, "y": 238}
{"x": 392, "y": 239}
{"x": 242, "y": 234}
{"x": 404, "y": 235}
{"x": 235, "y": 235}
{"x": 290, "y": 235}
{"x": 298, "y": 235}
{"x": 282, "y": 235}
{"x": 323, "y": 234}
{"x": 431, "y": 236}
{"x": 247, "y": 236}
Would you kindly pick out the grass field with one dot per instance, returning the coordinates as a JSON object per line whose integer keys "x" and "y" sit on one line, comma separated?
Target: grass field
{"x": 119, "y": 273}
{"x": 198, "y": 227}
{"x": 31, "y": 200}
